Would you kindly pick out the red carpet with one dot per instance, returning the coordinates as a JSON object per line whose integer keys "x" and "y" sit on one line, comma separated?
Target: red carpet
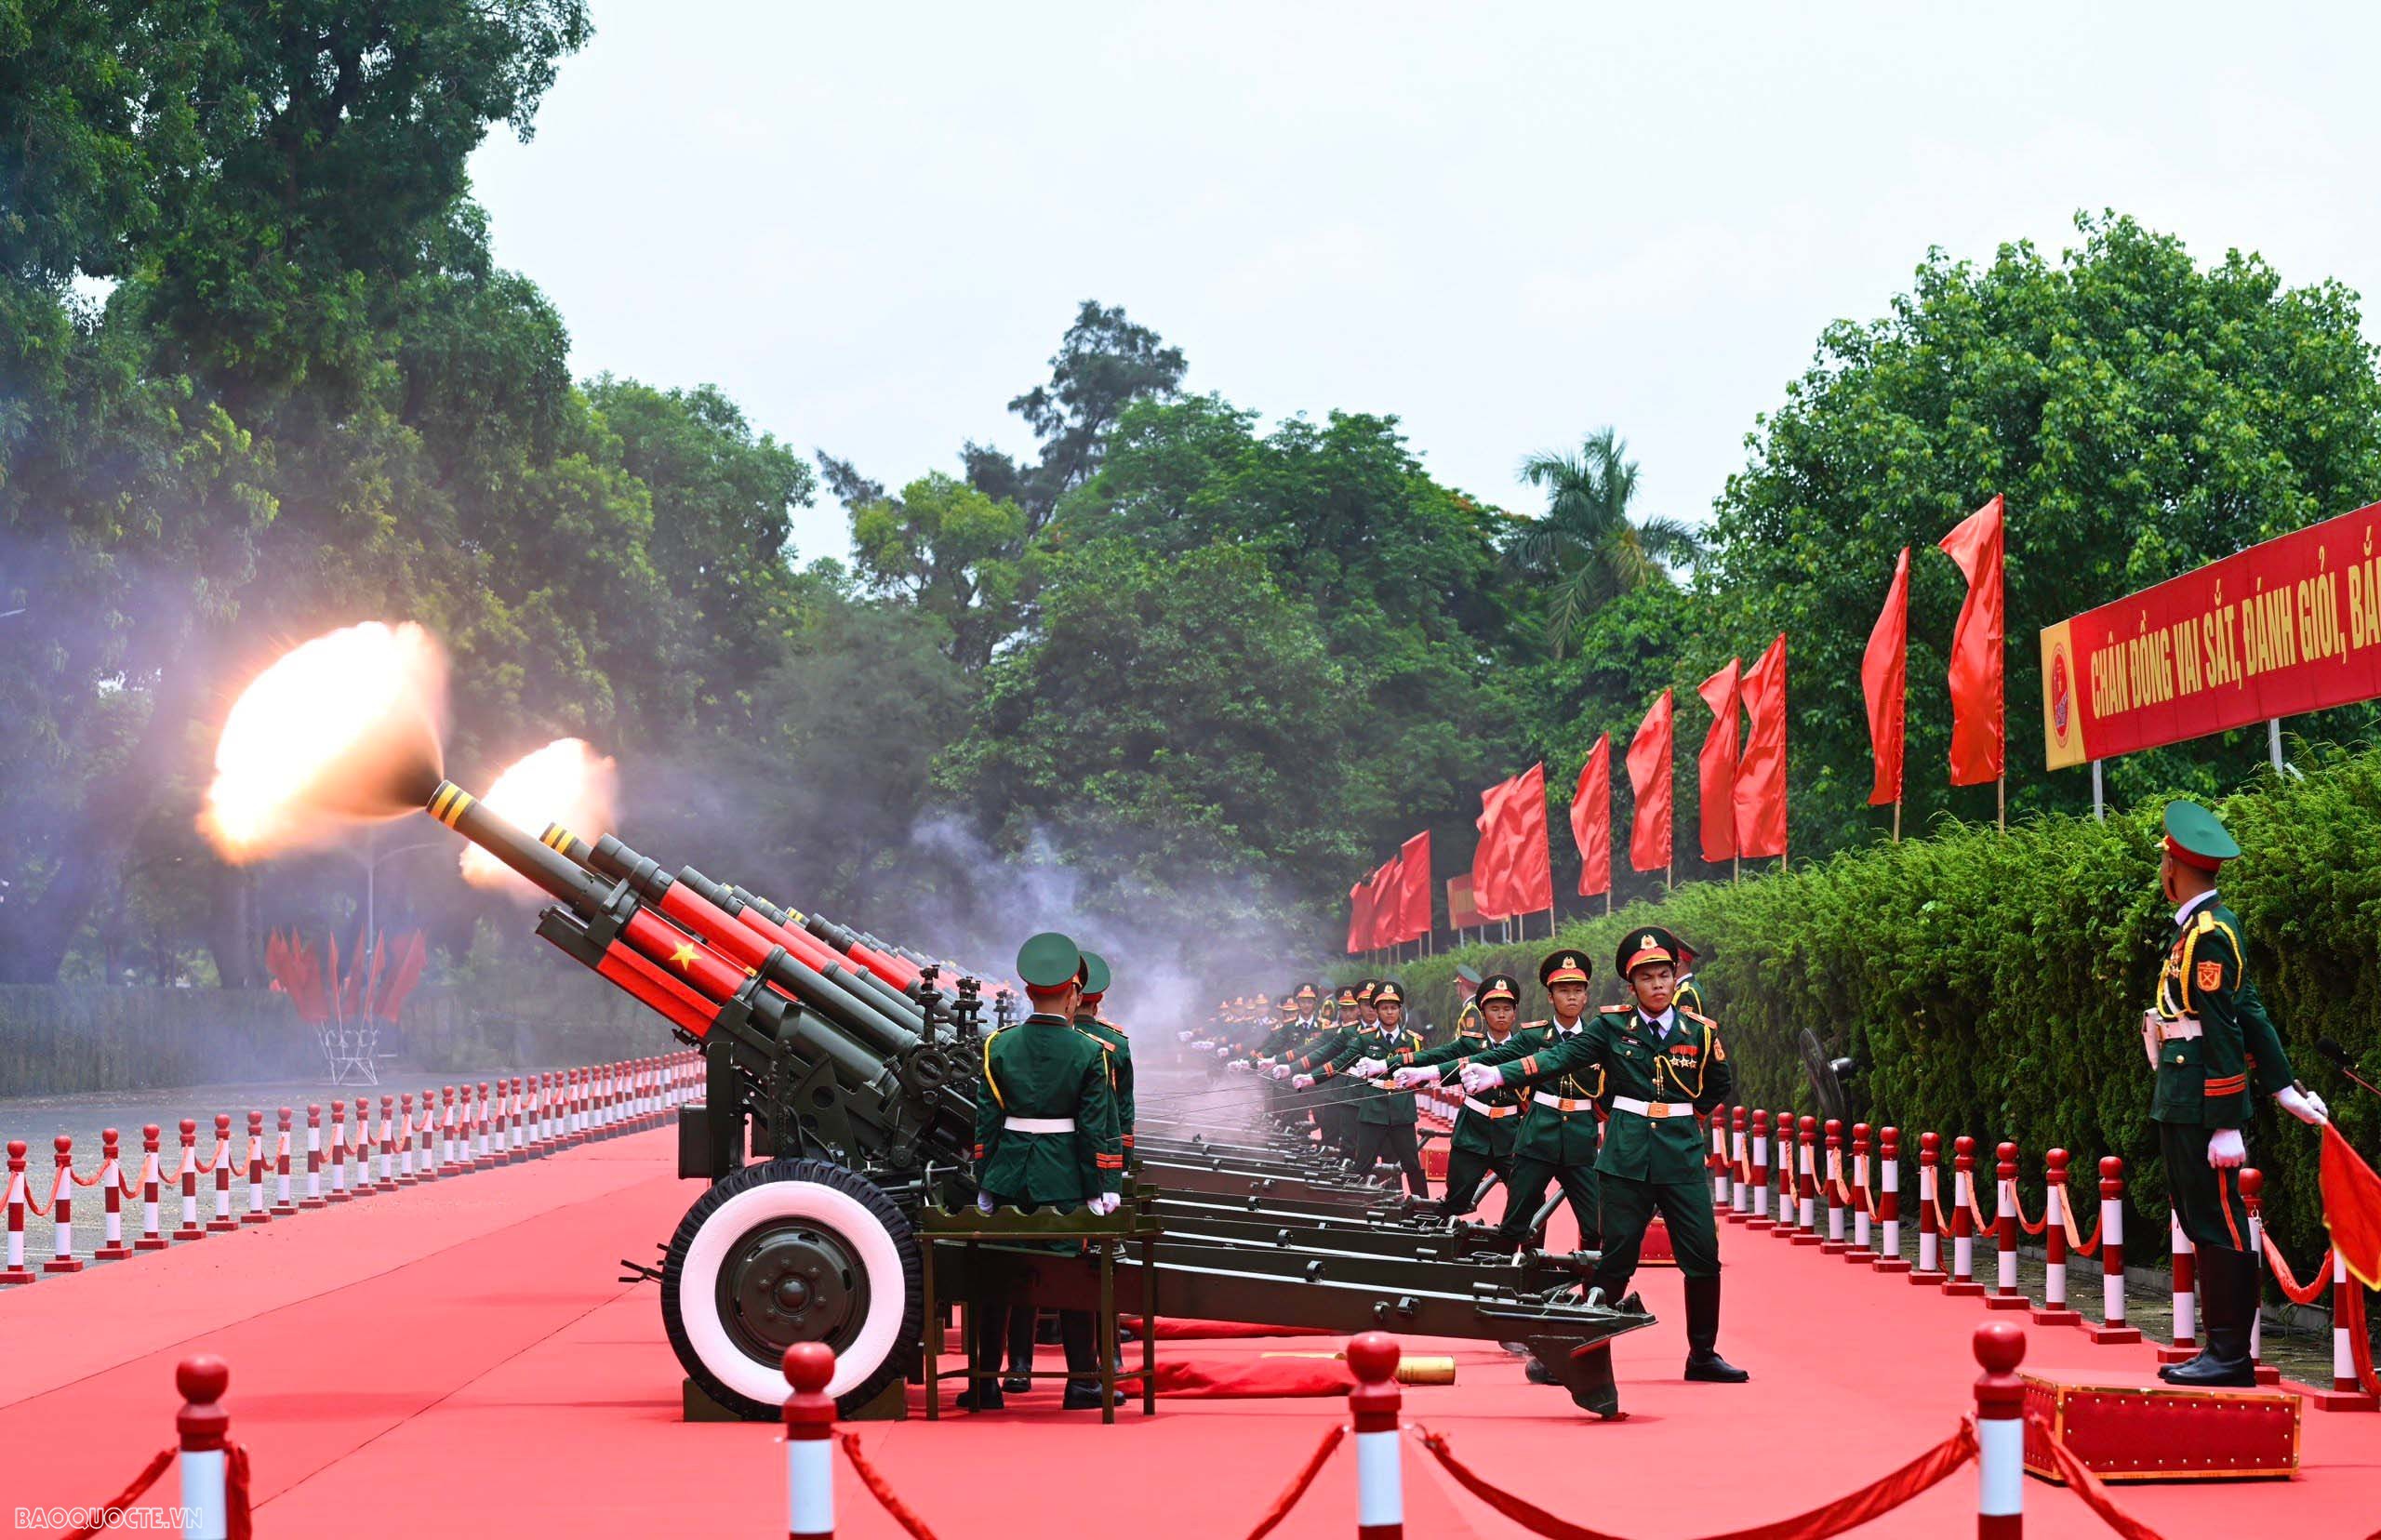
{"x": 461, "y": 1355}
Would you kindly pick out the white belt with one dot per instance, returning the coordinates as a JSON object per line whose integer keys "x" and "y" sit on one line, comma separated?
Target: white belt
{"x": 1562, "y": 1104}
{"x": 1039, "y": 1125}
{"x": 1653, "y": 1109}
{"x": 2178, "y": 1027}
{"x": 1473, "y": 1104}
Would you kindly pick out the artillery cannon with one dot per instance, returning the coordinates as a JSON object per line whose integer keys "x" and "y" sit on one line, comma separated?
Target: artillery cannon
{"x": 840, "y": 1088}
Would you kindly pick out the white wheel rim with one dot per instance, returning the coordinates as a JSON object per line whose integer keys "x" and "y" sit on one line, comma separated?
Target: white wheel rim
{"x": 699, "y": 1285}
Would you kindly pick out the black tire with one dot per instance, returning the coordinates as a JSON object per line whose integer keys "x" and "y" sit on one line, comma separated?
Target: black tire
{"x": 793, "y": 1251}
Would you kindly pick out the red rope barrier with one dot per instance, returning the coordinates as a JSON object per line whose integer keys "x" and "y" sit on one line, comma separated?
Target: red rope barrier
{"x": 2085, "y": 1484}
{"x": 2031, "y": 1226}
{"x": 2075, "y": 1243}
{"x": 878, "y": 1489}
{"x": 129, "y": 1495}
{"x": 2359, "y": 1344}
{"x": 1878, "y": 1497}
{"x": 1300, "y": 1482}
{"x": 2292, "y": 1290}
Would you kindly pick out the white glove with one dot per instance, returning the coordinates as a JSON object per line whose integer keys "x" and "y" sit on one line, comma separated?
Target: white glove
{"x": 1238, "y": 1067}
{"x": 1280, "y": 1071}
{"x": 1406, "y": 1076}
{"x": 1301, "y": 1082}
{"x": 2307, "y": 1107}
{"x": 1182, "y": 1037}
{"x": 1104, "y": 1205}
{"x": 983, "y": 1202}
{"x": 1202, "y": 1046}
{"x": 1481, "y": 1077}
{"x": 2225, "y": 1150}
{"x": 1369, "y": 1068}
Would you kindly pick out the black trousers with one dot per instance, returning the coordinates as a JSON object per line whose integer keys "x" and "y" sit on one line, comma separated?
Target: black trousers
{"x": 1525, "y": 1190}
{"x": 1466, "y": 1171}
{"x": 1630, "y": 1205}
{"x": 1397, "y": 1141}
{"x": 1337, "y": 1121}
{"x": 2206, "y": 1201}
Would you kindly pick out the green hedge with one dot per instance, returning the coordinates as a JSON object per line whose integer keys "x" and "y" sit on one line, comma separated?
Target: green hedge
{"x": 1992, "y": 985}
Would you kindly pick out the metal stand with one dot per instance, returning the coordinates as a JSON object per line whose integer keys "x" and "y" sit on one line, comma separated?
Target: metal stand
{"x": 1101, "y": 1237}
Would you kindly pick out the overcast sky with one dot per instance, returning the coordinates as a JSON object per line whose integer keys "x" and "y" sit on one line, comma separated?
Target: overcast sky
{"x": 1507, "y": 225}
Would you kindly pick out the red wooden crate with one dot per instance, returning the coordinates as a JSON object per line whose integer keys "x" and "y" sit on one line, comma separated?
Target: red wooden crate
{"x": 2162, "y": 1433}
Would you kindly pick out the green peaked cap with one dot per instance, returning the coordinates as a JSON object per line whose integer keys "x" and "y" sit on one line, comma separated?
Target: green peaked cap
{"x": 1095, "y": 973}
{"x": 1049, "y": 961}
{"x": 2198, "y": 831}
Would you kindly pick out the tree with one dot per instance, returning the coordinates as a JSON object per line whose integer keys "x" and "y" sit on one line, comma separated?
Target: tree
{"x": 1104, "y": 363}
{"x": 1586, "y": 551}
{"x": 956, "y": 554}
{"x": 2142, "y": 414}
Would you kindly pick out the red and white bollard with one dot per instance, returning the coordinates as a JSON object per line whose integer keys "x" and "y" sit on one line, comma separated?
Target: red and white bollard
{"x": 1737, "y": 1164}
{"x": 1373, "y": 1407}
{"x": 201, "y": 1425}
{"x": 482, "y": 1154}
{"x": 257, "y": 1213}
{"x": 112, "y": 1247}
{"x": 1756, "y": 1214}
{"x": 16, "y": 1271}
{"x": 1963, "y": 1279}
{"x": 2112, "y": 1327}
{"x": 2185, "y": 1258}
{"x": 223, "y": 1221}
{"x": 1718, "y": 1160}
{"x": 337, "y": 1164}
{"x": 62, "y": 1205}
{"x": 313, "y": 1197}
{"x": 445, "y": 1134}
{"x": 515, "y": 1137}
{"x": 2054, "y": 1312}
{"x": 2004, "y": 1295}
{"x": 1863, "y": 1249}
{"x": 809, "y": 1443}
{"x": 187, "y": 1178}
{"x": 1789, "y": 1186}
{"x": 152, "y": 1181}
{"x": 2346, "y": 1393}
{"x": 1930, "y": 1240}
{"x": 1831, "y": 1181}
{"x": 1999, "y": 1433}
{"x": 425, "y": 1154}
{"x": 396, "y": 1166}
{"x": 1889, "y": 1258}
{"x": 282, "y": 1204}
{"x": 403, "y": 1139}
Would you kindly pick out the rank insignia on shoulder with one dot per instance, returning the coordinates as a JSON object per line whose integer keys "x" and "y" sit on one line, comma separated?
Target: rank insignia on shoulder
{"x": 1719, "y": 1052}
{"x": 2211, "y": 976}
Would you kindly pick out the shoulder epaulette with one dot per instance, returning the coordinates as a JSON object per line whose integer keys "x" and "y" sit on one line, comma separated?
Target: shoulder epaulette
{"x": 1696, "y": 1016}
{"x": 1528, "y": 1026}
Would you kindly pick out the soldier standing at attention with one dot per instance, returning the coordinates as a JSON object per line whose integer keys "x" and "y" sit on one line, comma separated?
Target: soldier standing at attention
{"x": 1333, "y": 1116}
{"x": 1386, "y": 1119}
{"x": 1487, "y": 1128}
{"x": 1045, "y": 1134}
{"x": 1665, "y": 1068}
{"x": 2213, "y": 1046}
{"x": 1688, "y": 996}
{"x": 1559, "y": 1135}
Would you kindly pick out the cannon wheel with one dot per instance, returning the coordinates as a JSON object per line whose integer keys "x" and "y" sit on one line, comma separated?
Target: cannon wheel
{"x": 791, "y": 1251}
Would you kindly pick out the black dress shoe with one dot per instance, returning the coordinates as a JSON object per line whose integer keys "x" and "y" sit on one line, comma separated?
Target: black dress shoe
{"x": 1017, "y": 1385}
{"x": 1084, "y": 1396}
{"x": 1711, "y": 1369}
{"x": 986, "y": 1399}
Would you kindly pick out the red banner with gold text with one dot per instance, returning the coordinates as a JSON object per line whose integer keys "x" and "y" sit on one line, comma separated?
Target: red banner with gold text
{"x": 2290, "y": 626}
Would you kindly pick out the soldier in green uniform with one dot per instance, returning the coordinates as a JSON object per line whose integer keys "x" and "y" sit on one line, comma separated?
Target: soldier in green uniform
{"x": 1332, "y": 1112}
{"x": 1688, "y": 996}
{"x": 1386, "y": 1119}
{"x": 2214, "y": 1046}
{"x": 1664, "y": 1068}
{"x": 1489, "y": 1125}
{"x": 1045, "y": 1134}
{"x": 1559, "y": 1135}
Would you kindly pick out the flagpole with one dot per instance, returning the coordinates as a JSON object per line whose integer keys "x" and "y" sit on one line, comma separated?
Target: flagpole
{"x": 2002, "y": 796}
{"x": 1896, "y": 820}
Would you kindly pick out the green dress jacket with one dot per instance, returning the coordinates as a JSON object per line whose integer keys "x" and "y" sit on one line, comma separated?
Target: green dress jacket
{"x": 1557, "y": 1134}
{"x": 1378, "y": 1104}
{"x": 2205, "y": 1081}
{"x": 1120, "y": 1068}
{"x": 1687, "y": 1062}
{"x": 1484, "y": 1133}
{"x": 1335, "y": 1045}
{"x": 1043, "y": 1072}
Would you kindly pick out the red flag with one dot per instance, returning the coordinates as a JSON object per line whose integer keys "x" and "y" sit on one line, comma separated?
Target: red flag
{"x": 1885, "y": 670}
{"x": 1649, "y": 778}
{"x": 2352, "y": 1208}
{"x": 1413, "y": 906}
{"x": 1513, "y": 869}
{"x": 1761, "y": 775}
{"x": 1592, "y": 818}
{"x": 1360, "y": 916}
{"x": 1384, "y": 904}
{"x": 1977, "y": 726}
{"x": 1716, "y": 765}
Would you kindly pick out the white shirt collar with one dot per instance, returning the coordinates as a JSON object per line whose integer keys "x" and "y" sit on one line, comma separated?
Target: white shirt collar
{"x": 1560, "y": 1030}
{"x": 1662, "y": 1023}
{"x": 2183, "y": 915}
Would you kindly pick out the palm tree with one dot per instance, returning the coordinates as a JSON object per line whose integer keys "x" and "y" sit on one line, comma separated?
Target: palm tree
{"x": 1586, "y": 549}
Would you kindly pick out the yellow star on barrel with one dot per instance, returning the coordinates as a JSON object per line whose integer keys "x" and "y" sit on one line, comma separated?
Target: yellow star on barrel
{"x": 684, "y": 956}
